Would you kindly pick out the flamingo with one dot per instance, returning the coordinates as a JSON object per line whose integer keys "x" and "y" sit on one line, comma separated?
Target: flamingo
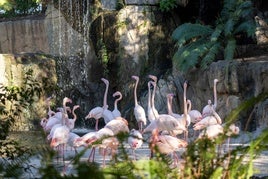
{"x": 165, "y": 122}
{"x": 209, "y": 120}
{"x": 135, "y": 140}
{"x": 183, "y": 119}
{"x": 61, "y": 134}
{"x": 106, "y": 114}
{"x": 95, "y": 113}
{"x": 194, "y": 114}
{"x": 116, "y": 112}
{"x": 50, "y": 113}
{"x": 57, "y": 117}
{"x": 154, "y": 78}
{"x": 150, "y": 112}
{"x": 169, "y": 106}
{"x": 207, "y": 109}
{"x": 166, "y": 144}
{"x": 108, "y": 146}
{"x": 175, "y": 115}
{"x": 232, "y": 130}
{"x": 71, "y": 140}
{"x": 71, "y": 122}
{"x": 139, "y": 111}
{"x": 211, "y": 131}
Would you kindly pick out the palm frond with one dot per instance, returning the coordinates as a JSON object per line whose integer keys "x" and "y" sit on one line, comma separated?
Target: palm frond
{"x": 248, "y": 26}
{"x": 209, "y": 57}
{"x": 188, "y": 31}
{"x": 246, "y": 8}
{"x": 230, "y": 49}
{"x": 188, "y": 56}
{"x": 216, "y": 34}
{"x": 229, "y": 26}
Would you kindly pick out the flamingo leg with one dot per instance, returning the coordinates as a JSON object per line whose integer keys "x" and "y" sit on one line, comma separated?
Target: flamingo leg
{"x": 92, "y": 154}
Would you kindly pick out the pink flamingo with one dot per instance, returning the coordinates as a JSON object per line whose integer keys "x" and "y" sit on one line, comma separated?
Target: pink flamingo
{"x": 166, "y": 144}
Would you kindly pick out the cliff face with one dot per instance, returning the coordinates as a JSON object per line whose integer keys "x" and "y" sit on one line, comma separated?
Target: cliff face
{"x": 118, "y": 44}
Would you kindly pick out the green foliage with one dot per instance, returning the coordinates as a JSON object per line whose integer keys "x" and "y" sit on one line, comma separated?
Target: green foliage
{"x": 103, "y": 55}
{"x": 167, "y": 5}
{"x": 199, "y": 45}
{"x": 12, "y": 8}
{"x": 11, "y": 149}
{"x": 14, "y": 100}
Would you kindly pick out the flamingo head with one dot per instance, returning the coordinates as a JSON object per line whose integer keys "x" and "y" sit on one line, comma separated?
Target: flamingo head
{"x": 105, "y": 81}
{"x": 216, "y": 81}
{"x": 95, "y": 113}
{"x": 185, "y": 84}
{"x": 154, "y": 78}
{"x": 188, "y": 101}
{"x": 76, "y": 107}
{"x": 117, "y": 93}
{"x": 43, "y": 122}
{"x": 66, "y": 100}
{"x": 135, "y": 77}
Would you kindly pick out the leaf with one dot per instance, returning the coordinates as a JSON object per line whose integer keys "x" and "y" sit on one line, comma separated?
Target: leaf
{"x": 188, "y": 31}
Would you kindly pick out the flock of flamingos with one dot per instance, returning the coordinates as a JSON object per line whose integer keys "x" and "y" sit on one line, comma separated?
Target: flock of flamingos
{"x": 165, "y": 130}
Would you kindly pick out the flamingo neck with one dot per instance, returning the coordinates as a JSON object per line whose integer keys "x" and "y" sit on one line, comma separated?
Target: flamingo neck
{"x": 105, "y": 95}
{"x": 149, "y": 95}
{"x": 215, "y": 95}
{"x": 153, "y": 95}
{"x": 135, "y": 92}
{"x": 189, "y": 106}
{"x": 169, "y": 105}
{"x": 184, "y": 100}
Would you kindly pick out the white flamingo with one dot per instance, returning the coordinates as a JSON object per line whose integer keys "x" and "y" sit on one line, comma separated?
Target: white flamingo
{"x": 107, "y": 114}
{"x": 150, "y": 113}
{"x": 135, "y": 140}
{"x": 194, "y": 114}
{"x": 209, "y": 120}
{"x": 50, "y": 113}
{"x": 61, "y": 134}
{"x": 211, "y": 131}
{"x": 58, "y": 116}
{"x": 71, "y": 140}
{"x": 71, "y": 122}
{"x": 95, "y": 113}
{"x": 207, "y": 111}
{"x": 139, "y": 111}
{"x": 154, "y": 78}
{"x": 116, "y": 112}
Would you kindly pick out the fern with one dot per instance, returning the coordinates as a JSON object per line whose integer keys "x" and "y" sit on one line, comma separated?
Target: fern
{"x": 236, "y": 17}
